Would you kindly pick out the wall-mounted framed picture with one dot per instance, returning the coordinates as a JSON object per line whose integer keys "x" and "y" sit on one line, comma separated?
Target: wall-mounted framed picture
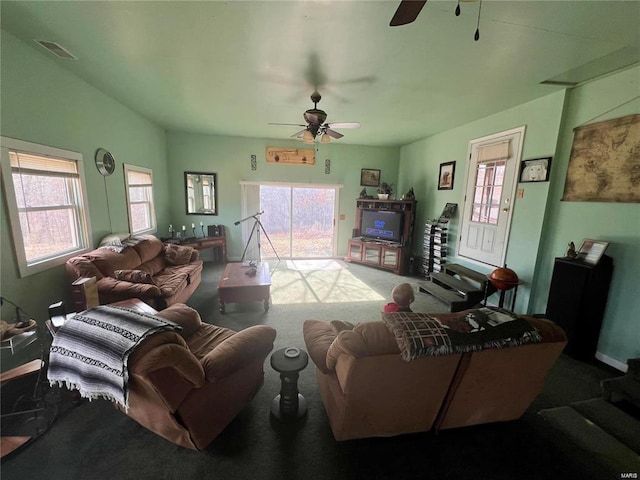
{"x": 592, "y": 250}
{"x": 369, "y": 177}
{"x": 535, "y": 170}
{"x": 445, "y": 177}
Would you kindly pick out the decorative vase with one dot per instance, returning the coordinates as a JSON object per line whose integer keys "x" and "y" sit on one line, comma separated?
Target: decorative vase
{"x": 383, "y": 196}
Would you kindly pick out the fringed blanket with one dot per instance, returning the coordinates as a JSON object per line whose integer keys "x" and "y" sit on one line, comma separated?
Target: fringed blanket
{"x": 90, "y": 351}
{"x": 421, "y": 334}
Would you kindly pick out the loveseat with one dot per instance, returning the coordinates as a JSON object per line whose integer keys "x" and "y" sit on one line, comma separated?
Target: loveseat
{"x": 188, "y": 386}
{"x": 369, "y": 390}
{"x": 142, "y": 267}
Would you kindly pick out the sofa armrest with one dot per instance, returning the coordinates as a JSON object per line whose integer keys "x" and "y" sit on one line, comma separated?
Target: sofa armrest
{"x": 164, "y": 360}
{"x": 237, "y": 351}
{"x": 112, "y": 288}
{"x": 318, "y": 337}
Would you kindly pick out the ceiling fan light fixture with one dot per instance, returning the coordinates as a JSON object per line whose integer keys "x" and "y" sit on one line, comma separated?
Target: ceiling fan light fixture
{"x": 325, "y": 138}
{"x": 307, "y": 137}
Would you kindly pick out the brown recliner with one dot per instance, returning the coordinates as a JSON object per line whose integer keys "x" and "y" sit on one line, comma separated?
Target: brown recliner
{"x": 187, "y": 386}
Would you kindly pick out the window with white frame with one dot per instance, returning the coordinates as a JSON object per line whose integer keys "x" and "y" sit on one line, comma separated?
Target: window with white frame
{"x": 142, "y": 212}
{"x": 46, "y": 202}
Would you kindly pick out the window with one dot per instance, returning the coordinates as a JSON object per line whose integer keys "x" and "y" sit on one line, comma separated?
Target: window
{"x": 139, "y": 186}
{"x": 46, "y": 199}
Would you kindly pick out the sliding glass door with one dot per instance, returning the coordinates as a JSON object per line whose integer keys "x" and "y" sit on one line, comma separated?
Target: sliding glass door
{"x": 299, "y": 221}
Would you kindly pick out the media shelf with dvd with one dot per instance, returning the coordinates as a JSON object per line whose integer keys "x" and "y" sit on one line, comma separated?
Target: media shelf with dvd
{"x": 382, "y": 234}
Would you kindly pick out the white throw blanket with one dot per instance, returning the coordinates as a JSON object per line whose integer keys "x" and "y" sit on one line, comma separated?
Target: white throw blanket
{"x": 90, "y": 351}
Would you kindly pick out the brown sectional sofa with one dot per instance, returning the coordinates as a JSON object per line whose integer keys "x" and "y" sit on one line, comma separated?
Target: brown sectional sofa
{"x": 368, "y": 390}
{"x": 172, "y": 278}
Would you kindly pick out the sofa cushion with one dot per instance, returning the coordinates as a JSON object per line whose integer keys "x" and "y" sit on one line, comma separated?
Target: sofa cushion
{"x": 177, "y": 254}
{"x": 171, "y": 284}
{"x": 421, "y": 334}
{"x": 107, "y": 261}
{"x": 134, "y": 276}
{"x": 147, "y": 247}
{"x": 153, "y": 266}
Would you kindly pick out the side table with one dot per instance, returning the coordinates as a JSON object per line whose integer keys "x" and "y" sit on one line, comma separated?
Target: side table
{"x": 289, "y": 404}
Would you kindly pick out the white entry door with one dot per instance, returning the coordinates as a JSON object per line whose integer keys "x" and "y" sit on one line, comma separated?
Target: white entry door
{"x": 489, "y": 193}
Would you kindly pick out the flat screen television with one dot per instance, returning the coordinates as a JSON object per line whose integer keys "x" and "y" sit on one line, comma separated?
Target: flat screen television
{"x": 382, "y": 225}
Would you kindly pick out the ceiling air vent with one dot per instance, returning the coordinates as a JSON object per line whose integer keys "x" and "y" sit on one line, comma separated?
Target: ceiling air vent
{"x": 56, "y": 49}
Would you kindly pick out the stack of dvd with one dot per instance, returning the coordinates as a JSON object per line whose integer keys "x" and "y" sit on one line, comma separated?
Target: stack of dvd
{"x": 434, "y": 247}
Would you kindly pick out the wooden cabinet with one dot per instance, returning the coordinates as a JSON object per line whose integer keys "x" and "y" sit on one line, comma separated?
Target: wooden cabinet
{"x": 392, "y": 256}
{"x": 577, "y": 300}
{"x": 377, "y": 254}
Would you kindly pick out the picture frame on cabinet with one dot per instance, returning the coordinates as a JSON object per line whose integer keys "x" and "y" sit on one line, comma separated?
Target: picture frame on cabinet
{"x": 591, "y": 251}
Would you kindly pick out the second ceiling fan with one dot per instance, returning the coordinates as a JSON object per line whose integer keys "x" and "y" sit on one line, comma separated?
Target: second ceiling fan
{"x": 316, "y": 125}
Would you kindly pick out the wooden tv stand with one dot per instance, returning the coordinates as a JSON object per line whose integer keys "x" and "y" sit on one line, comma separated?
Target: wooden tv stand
{"x": 379, "y": 253}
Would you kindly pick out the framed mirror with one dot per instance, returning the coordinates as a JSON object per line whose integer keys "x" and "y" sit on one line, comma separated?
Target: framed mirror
{"x": 201, "y": 193}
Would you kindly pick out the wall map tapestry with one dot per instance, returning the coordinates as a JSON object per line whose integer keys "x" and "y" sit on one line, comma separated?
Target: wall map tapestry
{"x": 604, "y": 165}
{"x": 291, "y": 156}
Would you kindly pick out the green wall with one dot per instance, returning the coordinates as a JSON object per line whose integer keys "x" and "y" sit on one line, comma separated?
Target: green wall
{"x": 619, "y": 223}
{"x": 542, "y": 224}
{"x": 230, "y": 158}
{"x": 420, "y": 163}
{"x": 43, "y": 103}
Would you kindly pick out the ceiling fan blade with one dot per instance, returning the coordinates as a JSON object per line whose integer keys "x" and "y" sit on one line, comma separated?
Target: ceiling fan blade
{"x": 288, "y": 124}
{"x": 343, "y": 125}
{"x": 407, "y": 12}
{"x": 333, "y": 133}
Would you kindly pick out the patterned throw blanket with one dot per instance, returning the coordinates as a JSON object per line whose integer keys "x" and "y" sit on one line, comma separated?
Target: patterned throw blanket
{"x": 421, "y": 334}
{"x": 90, "y": 351}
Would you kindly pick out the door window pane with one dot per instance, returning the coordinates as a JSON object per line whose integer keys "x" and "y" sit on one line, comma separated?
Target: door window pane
{"x": 488, "y": 192}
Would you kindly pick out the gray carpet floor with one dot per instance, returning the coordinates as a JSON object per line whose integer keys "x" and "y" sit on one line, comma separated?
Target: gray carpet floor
{"x": 95, "y": 441}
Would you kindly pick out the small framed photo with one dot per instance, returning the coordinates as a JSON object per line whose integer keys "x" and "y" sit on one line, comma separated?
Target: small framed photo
{"x": 369, "y": 177}
{"x": 591, "y": 251}
{"x": 445, "y": 178}
{"x": 535, "y": 170}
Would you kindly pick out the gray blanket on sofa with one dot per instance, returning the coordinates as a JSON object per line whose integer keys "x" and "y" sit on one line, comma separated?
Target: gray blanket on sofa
{"x": 90, "y": 351}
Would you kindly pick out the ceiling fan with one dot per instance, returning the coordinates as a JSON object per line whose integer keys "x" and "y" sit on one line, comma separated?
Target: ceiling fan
{"x": 316, "y": 125}
{"x": 408, "y": 11}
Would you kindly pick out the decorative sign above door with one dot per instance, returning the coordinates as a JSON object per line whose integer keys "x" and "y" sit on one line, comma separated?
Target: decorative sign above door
{"x": 290, "y": 156}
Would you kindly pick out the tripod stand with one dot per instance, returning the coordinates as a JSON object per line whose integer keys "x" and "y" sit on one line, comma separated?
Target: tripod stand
{"x": 257, "y": 227}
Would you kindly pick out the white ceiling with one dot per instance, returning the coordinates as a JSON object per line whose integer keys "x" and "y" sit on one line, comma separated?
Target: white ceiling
{"x": 230, "y": 68}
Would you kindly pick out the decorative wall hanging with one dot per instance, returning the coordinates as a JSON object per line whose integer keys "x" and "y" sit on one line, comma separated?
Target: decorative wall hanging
{"x": 604, "y": 165}
{"x": 445, "y": 178}
{"x": 290, "y": 156}
{"x": 254, "y": 162}
{"x": 369, "y": 177}
{"x": 327, "y": 166}
{"x": 535, "y": 170}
